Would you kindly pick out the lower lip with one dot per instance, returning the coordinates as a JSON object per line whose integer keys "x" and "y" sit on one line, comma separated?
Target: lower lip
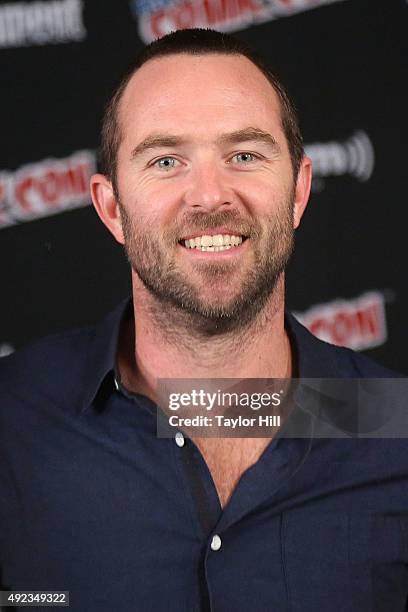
{"x": 228, "y": 254}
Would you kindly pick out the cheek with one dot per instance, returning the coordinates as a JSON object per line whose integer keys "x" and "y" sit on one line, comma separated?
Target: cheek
{"x": 263, "y": 195}
{"x": 149, "y": 199}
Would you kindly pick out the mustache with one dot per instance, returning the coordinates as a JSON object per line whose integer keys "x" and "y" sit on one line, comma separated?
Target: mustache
{"x": 201, "y": 221}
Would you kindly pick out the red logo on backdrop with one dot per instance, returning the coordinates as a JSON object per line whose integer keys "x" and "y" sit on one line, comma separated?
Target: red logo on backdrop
{"x": 357, "y": 324}
{"x": 159, "y": 17}
{"x": 45, "y": 188}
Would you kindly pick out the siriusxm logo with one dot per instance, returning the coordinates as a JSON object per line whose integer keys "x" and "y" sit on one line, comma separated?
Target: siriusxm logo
{"x": 354, "y": 157}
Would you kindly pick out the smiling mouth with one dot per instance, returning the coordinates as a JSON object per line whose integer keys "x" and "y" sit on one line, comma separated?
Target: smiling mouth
{"x": 218, "y": 242}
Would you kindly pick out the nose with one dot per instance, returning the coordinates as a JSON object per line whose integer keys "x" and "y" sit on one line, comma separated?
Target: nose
{"x": 207, "y": 189}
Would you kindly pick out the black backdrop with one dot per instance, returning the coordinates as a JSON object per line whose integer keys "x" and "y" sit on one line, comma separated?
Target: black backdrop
{"x": 345, "y": 63}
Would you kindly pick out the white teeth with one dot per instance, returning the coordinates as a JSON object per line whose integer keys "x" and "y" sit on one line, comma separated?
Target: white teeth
{"x": 218, "y": 242}
{"x": 206, "y": 241}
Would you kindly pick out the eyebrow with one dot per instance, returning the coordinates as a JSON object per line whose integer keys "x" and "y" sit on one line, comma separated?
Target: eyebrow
{"x": 250, "y": 134}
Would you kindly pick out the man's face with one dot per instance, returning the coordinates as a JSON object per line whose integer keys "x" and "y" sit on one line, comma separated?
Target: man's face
{"x": 203, "y": 154}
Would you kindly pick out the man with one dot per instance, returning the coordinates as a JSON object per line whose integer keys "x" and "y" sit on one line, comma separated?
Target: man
{"x": 204, "y": 182}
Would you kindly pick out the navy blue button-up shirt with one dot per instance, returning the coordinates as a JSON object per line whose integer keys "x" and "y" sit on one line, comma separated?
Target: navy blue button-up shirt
{"x": 93, "y": 503}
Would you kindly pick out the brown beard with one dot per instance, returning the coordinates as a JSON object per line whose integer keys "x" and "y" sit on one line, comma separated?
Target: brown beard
{"x": 173, "y": 290}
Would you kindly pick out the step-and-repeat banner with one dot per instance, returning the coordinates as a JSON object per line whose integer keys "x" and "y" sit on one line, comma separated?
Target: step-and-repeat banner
{"x": 345, "y": 62}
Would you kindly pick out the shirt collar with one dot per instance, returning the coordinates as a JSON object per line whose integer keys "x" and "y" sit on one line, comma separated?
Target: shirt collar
{"x": 313, "y": 358}
{"x": 101, "y": 354}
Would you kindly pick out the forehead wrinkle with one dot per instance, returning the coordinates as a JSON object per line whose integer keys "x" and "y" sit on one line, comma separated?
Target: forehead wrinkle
{"x": 249, "y": 134}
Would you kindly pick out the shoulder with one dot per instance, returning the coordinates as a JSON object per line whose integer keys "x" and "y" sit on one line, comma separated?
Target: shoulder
{"x": 322, "y": 359}
{"x": 51, "y": 364}
{"x": 60, "y": 371}
{"x": 362, "y": 365}
{"x": 356, "y": 364}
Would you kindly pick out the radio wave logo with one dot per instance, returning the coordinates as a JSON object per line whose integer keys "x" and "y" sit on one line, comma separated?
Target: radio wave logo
{"x": 357, "y": 323}
{"x": 354, "y": 157}
{"x": 45, "y": 188}
{"x": 159, "y": 17}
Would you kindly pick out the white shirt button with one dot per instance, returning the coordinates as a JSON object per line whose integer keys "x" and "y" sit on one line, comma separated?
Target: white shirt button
{"x": 179, "y": 439}
{"x": 216, "y": 542}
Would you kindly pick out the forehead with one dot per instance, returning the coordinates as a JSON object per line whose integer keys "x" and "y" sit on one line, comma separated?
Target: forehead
{"x": 194, "y": 93}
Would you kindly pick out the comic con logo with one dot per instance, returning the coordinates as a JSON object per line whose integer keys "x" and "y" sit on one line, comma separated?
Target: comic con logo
{"x": 45, "y": 188}
{"x": 353, "y": 157}
{"x": 159, "y": 17}
{"x": 357, "y": 323}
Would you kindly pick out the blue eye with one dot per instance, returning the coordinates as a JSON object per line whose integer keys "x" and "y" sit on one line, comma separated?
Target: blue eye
{"x": 165, "y": 163}
{"x": 245, "y": 157}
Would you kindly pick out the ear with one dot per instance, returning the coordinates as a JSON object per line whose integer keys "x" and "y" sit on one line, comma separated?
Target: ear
{"x": 303, "y": 185}
{"x": 106, "y": 205}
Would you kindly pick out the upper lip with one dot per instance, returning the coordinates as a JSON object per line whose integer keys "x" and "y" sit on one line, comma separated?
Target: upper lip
{"x": 213, "y": 232}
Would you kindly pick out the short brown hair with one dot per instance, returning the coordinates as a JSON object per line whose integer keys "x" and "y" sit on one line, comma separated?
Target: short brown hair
{"x": 196, "y": 41}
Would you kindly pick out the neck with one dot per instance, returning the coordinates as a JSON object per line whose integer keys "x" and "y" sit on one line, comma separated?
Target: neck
{"x": 167, "y": 346}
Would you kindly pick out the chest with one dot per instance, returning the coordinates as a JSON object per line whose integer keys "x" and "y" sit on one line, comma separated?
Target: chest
{"x": 228, "y": 459}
